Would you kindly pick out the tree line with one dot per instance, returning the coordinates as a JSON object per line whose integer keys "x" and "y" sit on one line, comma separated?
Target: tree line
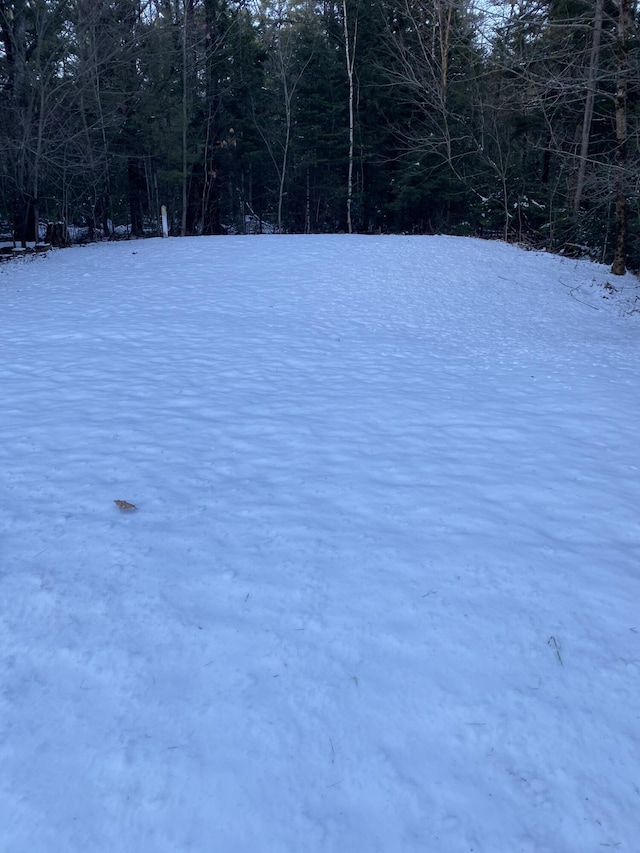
{"x": 515, "y": 119}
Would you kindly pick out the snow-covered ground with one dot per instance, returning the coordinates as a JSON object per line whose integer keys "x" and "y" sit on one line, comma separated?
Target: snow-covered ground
{"x": 381, "y": 591}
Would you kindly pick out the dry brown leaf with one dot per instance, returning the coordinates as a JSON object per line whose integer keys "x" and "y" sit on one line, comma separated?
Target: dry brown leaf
{"x": 125, "y": 505}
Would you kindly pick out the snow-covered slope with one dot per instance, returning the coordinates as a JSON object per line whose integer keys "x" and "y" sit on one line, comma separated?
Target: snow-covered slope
{"x": 381, "y": 589}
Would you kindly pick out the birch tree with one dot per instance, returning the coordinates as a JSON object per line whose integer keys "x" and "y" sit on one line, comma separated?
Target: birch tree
{"x": 350, "y": 26}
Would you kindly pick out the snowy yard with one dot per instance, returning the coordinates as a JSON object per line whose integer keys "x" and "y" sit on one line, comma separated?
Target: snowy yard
{"x": 381, "y": 591}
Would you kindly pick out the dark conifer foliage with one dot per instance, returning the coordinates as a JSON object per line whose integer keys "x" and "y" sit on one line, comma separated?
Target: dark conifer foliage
{"x": 513, "y": 119}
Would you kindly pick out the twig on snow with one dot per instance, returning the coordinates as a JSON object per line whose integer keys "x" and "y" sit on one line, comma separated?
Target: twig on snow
{"x": 556, "y": 645}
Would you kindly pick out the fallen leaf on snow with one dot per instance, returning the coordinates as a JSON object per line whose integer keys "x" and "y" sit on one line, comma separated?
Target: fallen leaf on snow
{"x": 125, "y": 505}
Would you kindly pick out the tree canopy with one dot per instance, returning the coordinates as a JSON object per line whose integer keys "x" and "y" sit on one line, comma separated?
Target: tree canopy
{"x": 517, "y": 119}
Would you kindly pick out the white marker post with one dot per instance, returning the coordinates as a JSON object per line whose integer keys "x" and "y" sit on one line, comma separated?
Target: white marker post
{"x": 165, "y": 224}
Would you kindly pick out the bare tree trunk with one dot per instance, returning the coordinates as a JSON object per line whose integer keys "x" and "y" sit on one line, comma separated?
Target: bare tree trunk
{"x": 619, "y": 266}
{"x": 287, "y": 143}
{"x": 307, "y": 207}
{"x": 94, "y": 116}
{"x": 444, "y": 34}
{"x": 350, "y": 44}
{"x": 282, "y": 37}
{"x": 217, "y": 27}
{"x": 185, "y": 117}
{"x": 588, "y": 106}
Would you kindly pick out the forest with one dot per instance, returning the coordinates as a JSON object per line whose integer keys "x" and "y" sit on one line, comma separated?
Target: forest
{"x": 515, "y": 120}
